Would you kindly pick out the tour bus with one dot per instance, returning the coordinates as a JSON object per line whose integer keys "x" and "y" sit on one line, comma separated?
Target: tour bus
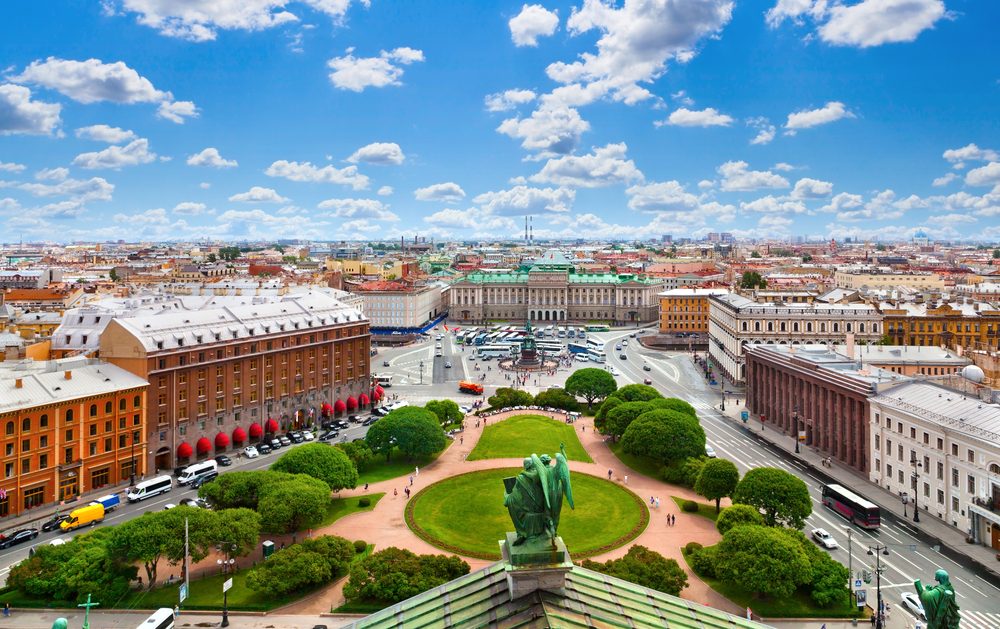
{"x": 384, "y": 381}
{"x": 594, "y": 343}
{"x": 577, "y": 348}
{"x": 597, "y": 355}
{"x": 852, "y": 506}
{"x": 550, "y": 348}
{"x": 480, "y": 339}
{"x": 162, "y": 618}
{"x": 150, "y": 488}
{"x": 494, "y": 351}
{"x": 561, "y": 332}
{"x": 598, "y": 328}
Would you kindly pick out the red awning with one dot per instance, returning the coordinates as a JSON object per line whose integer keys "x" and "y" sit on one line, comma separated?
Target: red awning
{"x": 240, "y": 435}
{"x": 255, "y": 430}
{"x": 339, "y": 406}
{"x": 327, "y": 408}
{"x": 271, "y": 426}
{"x": 363, "y": 399}
{"x": 204, "y": 445}
{"x": 380, "y": 391}
{"x": 375, "y": 396}
{"x": 221, "y": 440}
{"x": 352, "y": 403}
{"x": 184, "y": 451}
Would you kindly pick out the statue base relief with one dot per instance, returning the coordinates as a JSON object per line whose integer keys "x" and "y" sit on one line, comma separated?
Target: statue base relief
{"x": 536, "y": 564}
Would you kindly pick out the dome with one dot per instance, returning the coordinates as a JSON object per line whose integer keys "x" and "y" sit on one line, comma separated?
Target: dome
{"x": 920, "y": 234}
{"x": 973, "y": 373}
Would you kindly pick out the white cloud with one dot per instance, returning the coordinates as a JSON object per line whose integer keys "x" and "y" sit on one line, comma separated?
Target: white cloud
{"x": 532, "y": 22}
{"x": 94, "y": 189}
{"x": 384, "y": 191}
{"x": 245, "y": 224}
{"x": 682, "y": 98}
{"x": 670, "y": 201}
{"x": 988, "y": 175}
{"x": 771, "y": 205}
{"x": 449, "y": 192}
{"x": 792, "y": 9}
{"x": 505, "y": 101}
{"x": 784, "y": 166}
{"x": 53, "y": 174}
{"x": 9, "y": 205}
{"x": 188, "y": 208}
{"x": 104, "y": 133}
{"x": 706, "y": 118}
{"x": 522, "y": 200}
{"x": 290, "y": 209}
{"x": 604, "y": 167}
{"x": 62, "y": 209}
{"x": 378, "y": 154}
{"x": 705, "y": 183}
{"x": 986, "y": 205}
{"x": 912, "y": 202}
{"x": 811, "y": 118}
{"x": 774, "y": 222}
{"x": 843, "y": 202}
{"x": 199, "y": 20}
{"x": 132, "y": 154}
{"x": 358, "y": 209}
{"x": 876, "y": 22}
{"x": 473, "y": 218}
{"x": 259, "y": 195}
{"x": 92, "y": 81}
{"x": 305, "y": 171}
{"x": 880, "y": 207}
{"x": 12, "y": 167}
{"x": 952, "y": 219}
{"x": 764, "y": 135}
{"x": 210, "y": 157}
{"x": 205, "y": 185}
{"x": 177, "y": 111}
{"x": 20, "y": 114}
{"x": 549, "y": 132}
{"x": 355, "y": 74}
{"x": 971, "y": 153}
{"x": 806, "y": 188}
{"x": 737, "y": 177}
{"x": 360, "y": 225}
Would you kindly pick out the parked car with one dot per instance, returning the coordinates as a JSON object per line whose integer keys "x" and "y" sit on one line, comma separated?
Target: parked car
{"x": 710, "y": 452}
{"x": 264, "y": 448}
{"x": 201, "y": 480}
{"x": 647, "y": 368}
{"x": 824, "y": 538}
{"x": 623, "y": 357}
{"x": 308, "y": 435}
{"x": 295, "y": 437}
{"x": 53, "y": 523}
{"x": 274, "y": 443}
{"x": 472, "y": 356}
{"x": 648, "y": 381}
{"x": 380, "y": 411}
{"x": 195, "y": 503}
{"x": 109, "y": 502}
{"x": 447, "y": 365}
{"x": 465, "y": 410}
{"x": 357, "y": 419}
{"x": 911, "y": 603}
{"x": 169, "y": 506}
{"x": 371, "y": 420}
{"x": 6, "y": 541}
{"x": 284, "y": 440}
{"x": 329, "y": 434}
{"x": 223, "y": 460}
{"x": 250, "y": 452}
{"x": 615, "y": 372}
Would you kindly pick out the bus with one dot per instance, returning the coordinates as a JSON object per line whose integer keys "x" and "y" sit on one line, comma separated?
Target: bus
{"x": 549, "y": 330}
{"x": 550, "y": 348}
{"x": 571, "y": 332}
{"x": 494, "y": 351}
{"x": 596, "y": 344}
{"x": 561, "y": 332}
{"x": 598, "y": 328}
{"x": 852, "y": 506}
{"x": 480, "y": 339}
{"x": 163, "y": 618}
{"x": 384, "y": 381}
{"x": 577, "y": 348}
{"x": 596, "y": 354}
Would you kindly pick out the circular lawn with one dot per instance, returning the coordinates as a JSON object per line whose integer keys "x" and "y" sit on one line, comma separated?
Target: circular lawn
{"x": 465, "y": 514}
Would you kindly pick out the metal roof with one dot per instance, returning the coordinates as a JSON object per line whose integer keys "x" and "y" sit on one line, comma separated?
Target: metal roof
{"x": 45, "y": 382}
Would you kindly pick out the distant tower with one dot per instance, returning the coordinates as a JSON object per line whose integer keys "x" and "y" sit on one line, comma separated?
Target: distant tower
{"x": 525, "y": 229}
{"x": 532, "y": 224}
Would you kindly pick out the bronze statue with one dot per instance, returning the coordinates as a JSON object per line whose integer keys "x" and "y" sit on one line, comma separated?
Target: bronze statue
{"x": 534, "y": 498}
{"x": 939, "y": 602}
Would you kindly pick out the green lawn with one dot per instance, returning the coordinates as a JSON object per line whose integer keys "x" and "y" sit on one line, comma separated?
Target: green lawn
{"x": 704, "y": 510}
{"x": 642, "y": 464}
{"x": 465, "y": 514}
{"x": 521, "y": 436}
{"x": 399, "y": 465}
{"x": 798, "y": 605}
{"x": 207, "y": 594}
{"x": 339, "y": 507}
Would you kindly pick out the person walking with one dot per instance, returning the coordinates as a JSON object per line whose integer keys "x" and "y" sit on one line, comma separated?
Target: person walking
{"x": 6, "y": 609}
{"x": 626, "y": 479}
{"x": 657, "y": 502}
{"x": 310, "y": 533}
{"x": 873, "y": 621}
{"x": 651, "y": 501}
{"x": 394, "y": 492}
{"x": 609, "y": 474}
{"x": 366, "y": 486}
{"x": 177, "y": 612}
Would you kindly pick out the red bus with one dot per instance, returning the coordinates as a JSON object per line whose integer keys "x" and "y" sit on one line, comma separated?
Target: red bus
{"x": 852, "y": 506}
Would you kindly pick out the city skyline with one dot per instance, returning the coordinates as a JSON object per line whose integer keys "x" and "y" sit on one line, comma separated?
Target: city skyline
{"x": 339, "y": 120}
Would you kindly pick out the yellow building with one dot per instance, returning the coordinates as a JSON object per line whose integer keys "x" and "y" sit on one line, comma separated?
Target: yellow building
{"x": 889, "y": 280}
{"x": 686, "y": 309}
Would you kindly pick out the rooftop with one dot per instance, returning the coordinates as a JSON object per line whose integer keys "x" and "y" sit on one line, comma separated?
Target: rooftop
{"x": 45, "y": 382}
{"x": 943, "y": 405}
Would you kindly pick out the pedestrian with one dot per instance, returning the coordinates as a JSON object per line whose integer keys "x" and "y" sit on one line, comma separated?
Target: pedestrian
{"x": 416, "y": 471}
{"x": 177, "y": 612}
{"x": 282, "y": 547}
{"x": 461, "y": 440}
{"x": 873, "y": 621}
{"x": 293, "y": 537}
{"x": 394, "y": 492}
{"x": 657, "y": 502}
{"x": 626, "y": 479}
{"x": 6, "y": 609}
{"x": 651, "y": 502}
{"x": 668, "y": 520}
{"x": 366, "y": 486}
{"x": 888, "y": 610}
{"x": 609, "y": 474}
{"x": 411, "y": 481}
{"x": 310, "y": 534}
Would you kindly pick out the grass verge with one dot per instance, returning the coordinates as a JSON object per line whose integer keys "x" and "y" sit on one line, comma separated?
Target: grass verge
{"x": 643, "y": 464}
{"x": 704, "y": 510}
{"x": 523, "y": 435}
{"x": 399, "y": 465}
{"x": 339, "y": 507}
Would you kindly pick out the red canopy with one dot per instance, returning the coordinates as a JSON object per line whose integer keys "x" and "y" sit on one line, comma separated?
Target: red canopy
{"x": 184, "y": 451}
{"x": 327, "y": 408}
{"x": 221, "y": 440}
{"x": 204, "y": 445}
{"x": 255, "y": 430}
{"x": 363, "y": 399}
{"x": 375, "y": 396}
{"x": 271, "y": 426}
{"x": 240, "y": 435}
{"x": 352, "y": 403}
{"x": 380, "y": 391}
{"x": 339, "y": 406}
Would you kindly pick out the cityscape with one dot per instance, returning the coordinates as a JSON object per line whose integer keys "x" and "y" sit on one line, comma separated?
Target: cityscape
{"x": 679, "y": 313}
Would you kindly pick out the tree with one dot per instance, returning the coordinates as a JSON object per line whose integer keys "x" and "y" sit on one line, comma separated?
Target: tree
{"x": 237, "y": 527}
{"x": 637, "y": 393}
{"x": 885, "y": 340}
{"x": 738, "y": 515}
{"x": 293, "y": 504}
{"x": 752, "y": 279}
{"x": 313, "y": 561}
{"x": 319, "y": 460}
{"x": 664, "y": 435}
{"x": 417, "y": 431}
{"x": 718, "y": 479}
{"x": 557, "y": 398}
{"x": 807, "y": 258}
{"x": 827, "y": 576}
{"x": 505, "y": 397}
{"x": 446, "y": 410}
{"x": 212, "y": 258}
{"x": 358, "y": 452}
{"x": 394, "y": 575}
{"x": 114, "y": 276}
{"x": 996, "y": 254}
{"x": 160, "y": 535}
{"x": 230, "y": 253}
{"x": 591, "y": 384}
{"x": 234, "y": 490}
{"x": 279, "y": 248}
{"x": 881, "y": 248}
{"x": 601, "y": 418}
{"x": 675, "y": 404}
{"x": 783, "y": 499}
{"x": 762, "y": 560}
{"x": 619, "y": 419}
{"x": 755, "y": 254}
{"x": 379, "y": 436}
{"x": 644, "y": 567}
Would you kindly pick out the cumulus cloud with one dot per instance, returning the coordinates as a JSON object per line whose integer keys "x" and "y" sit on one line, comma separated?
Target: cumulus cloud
{"x": 548, "y": 132}
{"x": 988, "y": 175}
{"x": 783, "y": 166}
{"x": 260, "y": 224}
{"x": 210, "y": 158}
{"x": 305, "y": 171}
{"x": 177, "y": 111}
{"x": 92, "y": 81}
{"x": 134, "y": 153}
{"x": 12, "y": 167}
{"x": 358, "y": 209}
{"x": 505, "y": 101}
{"x": 806, "y": 119}
{"x": 105, "y": 133}
{"x": 686, "y": 118}
{"x": 806, "y": 188}
{"x": 473, "y": 218}
{"x": 52, "y": 174}
{"x": 188, "y": 208}
{"x": 259, "y": 195}
{"x": 20, "y": 114}
{"x": 384, "y": 191}
{"x": 704, "y": 184}
{"x": 736, "y": 176}
{"x": 378, "y": 154}
{"x": 863, "y": 24}
{"x": 205, "y": 185}
{"x": 448, "y": 192}
{"x": 880, "y": 207}
{"x": 522, "y": 200}
{"x": 95, "y": 189}
{"x": 843, "y": 202}
{"x": 9, "y": 205}
{"x": 952, "y": 219}
{"x": 355, "y": 74}
{"x": 771, "y": 205}
{"x": 682, "y": 98}
{"x": 532, "y": 22}
{"x": 62, "y": 209}
{"x": 971, "y": 153}
{"x": 606, "y": 166}
{"x": 670, "y": 201}
{"x": 764, "y": 135}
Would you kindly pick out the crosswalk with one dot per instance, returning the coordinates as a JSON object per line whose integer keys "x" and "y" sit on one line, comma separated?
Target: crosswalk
{"x": 980, "y": 620}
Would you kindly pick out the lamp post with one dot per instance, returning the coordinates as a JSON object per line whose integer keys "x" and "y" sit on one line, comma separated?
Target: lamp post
{"x": 876, "y": 552}
{"x": 795, "y": 427}
{"x": 916, "y": 485}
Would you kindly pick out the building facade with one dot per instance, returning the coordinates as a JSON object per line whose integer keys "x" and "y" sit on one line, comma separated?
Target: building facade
{"x": 887, "y": 279}
{"x": 953, "y": 323}
{"x": 686, "y": 309}
{"x": 395, "y": 306}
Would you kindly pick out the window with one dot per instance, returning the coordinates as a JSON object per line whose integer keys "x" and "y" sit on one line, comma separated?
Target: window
{"x": 99, "y": 478}
{"x": 93, "y": 410}
{"x": 913, "y": 434}
{"x": 9, "y": 430}
{"x": 108, "y": 445}
{"x": 25, "y": 466}
{"x": 972, "y": 456}
{"x": 940, "y": 497}
{"x": 43, "y": 461}
{"x": 122, "y": 404}
{"x": 182, "y": 378}
{"x": 93, "y": 430}
{"x": 954, "y": 504}
{"x": 107, "y": 426}
{"x": 122, "y": 441}
{"x": 899, "y": 427}
{"x": 940, "y": 470}
{"x": 43, "y": 421}
{"x": 25, "y": 445}
{"x": 43, "y": 441}
{"x": 954, "y": 477}
{"x": 940, "y": 443}
{"x": 927, "y": 490}
{"x": 954, "y": 449}
{"x": 26, "y": 424}
{"x": 34, "y": 497}
{"x": 971, "y": 484}
{"x": 69, "y": 416}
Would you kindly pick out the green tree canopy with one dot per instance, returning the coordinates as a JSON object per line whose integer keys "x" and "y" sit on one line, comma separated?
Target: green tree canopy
{"x": 752, "y": 279}
{"x": 783, "y": 499}
{"x": 505, "y": 397}
{"x": 590, "y": 384}
{"x": 319, "y": 460}
{"x": 827, "y": 575}
{"x": 417, "y": 431}
{"x": 755, "y": 254}
{"x": 234, "y": 490}
{"x": 675, "y": 404}
{"x": 379, "y": 436}
{"x": 229, "y": 253}
{"x": 762, "y": 560}
{"x": 644, "y": 567}
{"x": 313, "y": 561}
{"x": 718, "y": 479}
{"x": 557, "y": 398}
{"x": 622, "y": 415}
{"x": 738, "y": 515}
{"x": 394, "y": 575}
{"x": 637, "y": 393}
{"x": 664, "y": 435}
{"x": 601, "y": 418}
{"x": 358, "y": 452}
{"x": 446, "y": 410}
{"x": 294, "y": 504}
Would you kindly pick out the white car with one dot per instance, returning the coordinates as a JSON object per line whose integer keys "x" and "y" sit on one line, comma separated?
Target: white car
{"x": 911, "y": 603}
{"x": 821, "y": 536}
{"x": 169, "y": 506}
{"x": 582, "y": 358}
{"x": 465, "y": 410}
{"x": 307, "y": 435}
{"x": 472, "y": 356}
{"x": 615, "y": 372}
{"x": 709, "y": 452}
{"x": 624, "y": 343}
{"x": 250, "y": 452}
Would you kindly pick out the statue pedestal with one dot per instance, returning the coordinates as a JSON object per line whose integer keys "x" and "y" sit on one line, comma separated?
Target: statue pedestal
{"x": 535, "y": 565}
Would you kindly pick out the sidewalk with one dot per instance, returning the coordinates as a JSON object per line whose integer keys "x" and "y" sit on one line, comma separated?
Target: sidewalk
{"x": 43, "y": 619}
{"x": 930, "y": 529}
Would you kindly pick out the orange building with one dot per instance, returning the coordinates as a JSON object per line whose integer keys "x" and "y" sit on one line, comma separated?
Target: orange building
{"x": 686, "y": 309}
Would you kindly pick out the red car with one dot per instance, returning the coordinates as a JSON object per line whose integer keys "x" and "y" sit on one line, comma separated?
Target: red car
{"x": 647, "y": 381}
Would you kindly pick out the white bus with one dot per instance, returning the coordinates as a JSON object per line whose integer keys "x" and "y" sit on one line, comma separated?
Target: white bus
{"x": 494, "y": 351}
{"x": 383, "y": 381}
{"x": 150, "y": 488}
{"x": 163, "y": 618}
{"x": 595, "y": 343}
{"x": 597, "y": 355}
{"x": 561, "y": 332}
{"x": 550, "y": 348}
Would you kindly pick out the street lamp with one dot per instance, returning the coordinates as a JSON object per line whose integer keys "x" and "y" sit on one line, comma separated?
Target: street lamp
{"x": 916, "y": 484}
{"x": 795, "y": 428}
{"x": 876, "y": 552}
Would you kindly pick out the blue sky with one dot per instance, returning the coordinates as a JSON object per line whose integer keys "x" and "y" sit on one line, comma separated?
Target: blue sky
{"x": 340, "y": 119}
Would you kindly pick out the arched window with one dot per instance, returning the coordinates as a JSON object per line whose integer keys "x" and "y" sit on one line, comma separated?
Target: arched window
{"x": 93, "y": 410}
{"x": 770, "y": 326}
{"x": 69, "y": 416}
{"x": 122, "y": 404}
{"x": 136, "y": 401}
{"x": 9, "y": 430}
{"x": 744, "y": 326}
{"x": 26, "y": 424}
{"x": 43, "y": 421}
{"x": 795, "y": 326}
{"x": 109, "y": 408}
{"x": 848, "y": 326}
{"x": 822, "y": 327}
{"x": 836, "y": 327}
{"x": 782, "y": 326}
{"x": 809, "y": 326}
{"x": 861, "y": 327}
{"x": 995, "y": 469}
{"x": 756, "y": 326}
{"x": 875, "y": 328}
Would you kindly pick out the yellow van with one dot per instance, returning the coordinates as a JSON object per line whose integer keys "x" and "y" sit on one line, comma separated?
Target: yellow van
{"x": 84, "y": 516}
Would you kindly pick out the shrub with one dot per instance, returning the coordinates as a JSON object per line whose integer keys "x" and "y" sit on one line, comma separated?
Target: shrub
{"x": 360, "y": 546}
{"x": 703, "y": 562}
{"x": 364, "y": 502}
{"x": 692, "y": 547}
{"x": 738, "y": 515}
{"x": 690, "y": 506}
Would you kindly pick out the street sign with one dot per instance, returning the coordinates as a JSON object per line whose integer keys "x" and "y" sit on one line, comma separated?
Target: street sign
{"x": 802, "y": 435}
{"x": 744, "y": 416}
{"x": 857, "y": 584}
{"x": 228, "y": 584}
{"x": 862, "y": 597}
{"x": 184, "y": 592}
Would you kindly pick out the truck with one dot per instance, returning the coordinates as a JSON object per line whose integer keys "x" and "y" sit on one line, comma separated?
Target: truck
{"x": 83, "y": 516}
{"x": 470, "y": 387}
{"x": 109, "y": 502}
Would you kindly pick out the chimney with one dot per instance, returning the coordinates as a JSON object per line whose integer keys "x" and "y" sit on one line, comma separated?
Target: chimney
{"x": 18, "y": 383}
{"x": 850, "y": 346}
{"x": 69, "y": 374}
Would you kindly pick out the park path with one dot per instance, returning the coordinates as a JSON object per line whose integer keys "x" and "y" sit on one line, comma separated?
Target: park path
{"x": 385, "y": 524}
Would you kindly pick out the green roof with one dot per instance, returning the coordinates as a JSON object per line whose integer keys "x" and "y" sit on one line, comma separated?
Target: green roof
{"x": 573, "y": 278}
